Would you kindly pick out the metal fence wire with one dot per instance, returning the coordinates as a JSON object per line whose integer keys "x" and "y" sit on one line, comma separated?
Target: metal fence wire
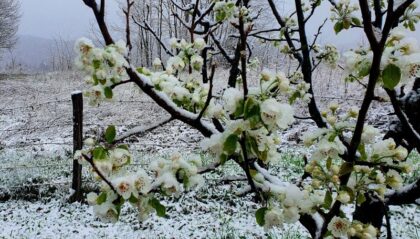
{"x": 62, "y": 170}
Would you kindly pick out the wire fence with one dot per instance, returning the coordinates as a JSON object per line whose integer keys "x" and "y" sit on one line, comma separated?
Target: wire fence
{"x": 67, "y": 145}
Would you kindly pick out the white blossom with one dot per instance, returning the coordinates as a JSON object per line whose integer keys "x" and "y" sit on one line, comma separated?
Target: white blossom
{"x": 339, "y": 227}
{"x": 232, "y": 97}
{"x": 275, "y": 114}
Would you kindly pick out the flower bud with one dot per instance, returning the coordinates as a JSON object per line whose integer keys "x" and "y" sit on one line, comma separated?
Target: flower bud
{"x": 343, "y": 197}
{"x": 89, "y": 142}
{"x": 331, "y": 119}
{"x": 334, "y": 107}
{"x": 401, "y": 153}
{"x": 353, "y": 112}
{"x": 335, "y": 169}
{"x": 157, "y": 63}
{"x": 406, "y": 168}
{"x": 316, "y": 183}
{"x": 335, "y": 179}
{"x": 309, "y": 168}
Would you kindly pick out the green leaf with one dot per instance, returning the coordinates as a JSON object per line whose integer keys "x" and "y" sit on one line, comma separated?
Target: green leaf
{"x": 99, "y": 153}
{"x": 110, "y": 134}
{"x": 223, "y": 158}
{"x": 338, "y": 27}
{"x": 252, "y": 112}
{"x": 346, "y": 24}
{"x": 96, "y": 64}
{"x": 230, "y": 144}
{"x": 360, "y": 198}
{"x": 123, "y": 146}
{"x": 364, "y": 69}
{"x": 252, "y": 108}
{"x": 346, "y": 168}
{"x": 411, "y": 26}
{"x": 118, "y": 204}
{"x": 220, "y": 16}
{"x": 133, "y": 199}
{"x": 108, "y": 92}
{"x": 356, "y": 21}
{"x": 328, "y": 200}
{"x": 329, "y": 163}
{"x": 160, "y": 209}
{"x": 251, "y": 144}
{"x": 95, "y": 79}
{"x": 362, "y": 151}
{"x": 101, "y": 198}
{"x": 239, "y": 109}
{"x": 391, "y": 76}
{"x": 260, "y": 214}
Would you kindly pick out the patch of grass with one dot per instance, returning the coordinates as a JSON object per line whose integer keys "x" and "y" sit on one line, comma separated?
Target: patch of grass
{"x": 414, "y": 160}
{"x": 289, "y": 166}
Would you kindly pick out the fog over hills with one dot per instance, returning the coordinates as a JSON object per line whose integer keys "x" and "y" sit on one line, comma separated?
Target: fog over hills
{"x": 33, "y": 54}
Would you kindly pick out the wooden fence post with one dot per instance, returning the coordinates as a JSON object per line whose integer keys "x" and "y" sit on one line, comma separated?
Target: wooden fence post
{"x": 77, "y": 99}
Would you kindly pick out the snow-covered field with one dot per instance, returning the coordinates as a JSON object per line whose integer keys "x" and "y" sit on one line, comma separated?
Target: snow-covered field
{"x": 35, "y": 166}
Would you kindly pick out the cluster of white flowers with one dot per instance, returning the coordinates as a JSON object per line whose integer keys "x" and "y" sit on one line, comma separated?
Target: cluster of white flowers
{"x": 102, "y": 67}
{"x": 411, "y": 17}
{"x": 343, "y": 13}
{"x": 190, "y": 93}
{"x": 401, "y": 60}
{"x": 343, "y": 228}
{"x": 378, "y": 167}
{"x": 404, "y": 52}
{"x": 272, "y": 84}
{"x": 188, "y": 55}
{"x": 288, "y": 203}
{"x": 329, "y": 55}
{"x": 381, "y": 160}
{"x": 176, "y": 173}
{"x": 171, "y": 176}
{"x": 224, "y": 10}
{"x": 255, "y": 120}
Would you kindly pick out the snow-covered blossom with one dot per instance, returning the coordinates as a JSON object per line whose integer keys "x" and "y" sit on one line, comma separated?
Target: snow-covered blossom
{"x": 104, "y": 67}
{"x": 232, "y": 97}
{"x": 173, "y": 42}
{"x": 141, "y": 182}
{"x": 369, "y": 134}
{"x": 394, "y": 179}
{"x": 175, "y": 63}
{"x": 106, "y": 210}
{"x": 224, "y": 10}
{"x": 275, "y": 114}
{"x": 273, "y": 218}
{"x": 328, "y": 149}
{"x": 339, "y": 227}
{"x": 124, "y": 186}
{"x": 215, "y": 110}
{"x": 329, "y": 55}
{"x": 120, "y": 157}
{"x": 157, "y": 63}
{"x": 91, "y": 198}
{"x": 199, "y": 43}
{"x": 197, "y": 62}
{"x": 344, "y": 197}
{"x": 168, "y": 183}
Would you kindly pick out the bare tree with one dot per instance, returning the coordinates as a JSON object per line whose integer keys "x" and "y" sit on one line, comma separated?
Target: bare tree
{"x": 9, "y": 19}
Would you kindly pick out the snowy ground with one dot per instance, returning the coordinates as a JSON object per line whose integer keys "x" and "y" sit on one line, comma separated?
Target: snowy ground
{"x": 35, "y": 157}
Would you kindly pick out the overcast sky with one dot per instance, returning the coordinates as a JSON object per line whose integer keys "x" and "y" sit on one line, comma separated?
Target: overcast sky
{"x": 71, "y": 19}
{"x": 51, "y": 18}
